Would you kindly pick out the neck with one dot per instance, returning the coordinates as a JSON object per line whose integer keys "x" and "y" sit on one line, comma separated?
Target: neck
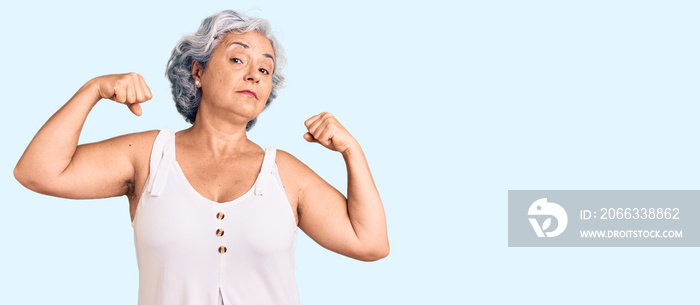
{"x": 217, "y": 135}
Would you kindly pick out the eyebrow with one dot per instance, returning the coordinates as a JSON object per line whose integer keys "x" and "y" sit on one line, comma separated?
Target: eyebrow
{"x": 245, "y": 46}
{"x": 239, "y": 43}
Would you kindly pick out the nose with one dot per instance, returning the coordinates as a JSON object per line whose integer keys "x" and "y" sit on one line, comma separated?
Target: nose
{"x": 252, "y": 74}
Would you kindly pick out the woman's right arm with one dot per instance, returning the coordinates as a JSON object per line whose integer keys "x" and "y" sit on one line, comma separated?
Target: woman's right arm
{"x": 54, "y": 164}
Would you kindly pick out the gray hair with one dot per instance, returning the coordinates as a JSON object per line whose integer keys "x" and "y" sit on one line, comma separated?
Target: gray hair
{"x": 199, "y": 46}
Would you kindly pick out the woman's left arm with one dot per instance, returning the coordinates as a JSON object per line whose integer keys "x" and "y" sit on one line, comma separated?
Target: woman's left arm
{"x": 356, "y": 226}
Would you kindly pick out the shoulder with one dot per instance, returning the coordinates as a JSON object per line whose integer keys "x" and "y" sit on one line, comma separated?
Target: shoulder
{"x": 284, "y": 157}
{"x": 295, "y": 173}
{"x": 126, "y": 144}
{"x": 292, "y": 171}
{"x": 136, "y": 138}
{"x": 140, "y": 138}
{"x": 134, "y": 146}
{"x": 290, "y": 164}
{"x": 136, "y": 142}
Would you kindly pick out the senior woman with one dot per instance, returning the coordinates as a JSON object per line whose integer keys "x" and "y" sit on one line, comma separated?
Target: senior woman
{"x": 215, "y": 216}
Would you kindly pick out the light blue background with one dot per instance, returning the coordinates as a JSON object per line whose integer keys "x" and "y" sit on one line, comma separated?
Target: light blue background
{"x": 454, "y": 104}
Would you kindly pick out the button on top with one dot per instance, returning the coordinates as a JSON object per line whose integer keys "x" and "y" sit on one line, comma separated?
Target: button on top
{"x": 219, "y": 232}
{"x": 222, "y": 249}
{"x": 220, "y": 216}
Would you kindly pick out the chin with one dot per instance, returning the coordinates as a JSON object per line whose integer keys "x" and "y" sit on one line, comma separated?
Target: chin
{"x": 247, "y": 115}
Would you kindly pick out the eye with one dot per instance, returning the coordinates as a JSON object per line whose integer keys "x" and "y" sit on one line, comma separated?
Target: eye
{"x": 264, "y": 71}
{"x": 236, "y": 60}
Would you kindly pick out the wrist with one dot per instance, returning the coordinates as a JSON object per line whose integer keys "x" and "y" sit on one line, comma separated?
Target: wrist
{"x": 92, "y": 87}
{"x": 352, "y": 150}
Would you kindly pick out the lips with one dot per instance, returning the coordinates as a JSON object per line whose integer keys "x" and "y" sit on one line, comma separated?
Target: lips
{"x": 248, "y": 92}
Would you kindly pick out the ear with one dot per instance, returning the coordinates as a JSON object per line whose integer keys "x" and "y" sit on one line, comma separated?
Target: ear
{"x": 196, "y": 72}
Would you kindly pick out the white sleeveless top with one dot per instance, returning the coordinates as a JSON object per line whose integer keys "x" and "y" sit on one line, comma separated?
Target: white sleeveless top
{"x": 194, "y": 251}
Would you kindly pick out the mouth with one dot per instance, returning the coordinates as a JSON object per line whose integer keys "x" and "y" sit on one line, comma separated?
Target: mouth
{"x": 248, "y": 92}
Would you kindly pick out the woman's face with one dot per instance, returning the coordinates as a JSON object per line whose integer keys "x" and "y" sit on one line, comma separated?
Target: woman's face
{"x": 238, "y": 78}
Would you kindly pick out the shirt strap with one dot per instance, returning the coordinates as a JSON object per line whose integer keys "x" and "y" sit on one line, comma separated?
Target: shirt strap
{"x": 162, "y": 157}
{"x": 265, "y": 170}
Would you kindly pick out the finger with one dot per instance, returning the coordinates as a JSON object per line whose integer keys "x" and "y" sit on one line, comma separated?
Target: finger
{"x": 135, "y": 108}
{"x": 146, "y": 89}
{"x": 140, "y": 96}
{"x": 309, "y": 137}
{"x": 310, "y": 121}
{"x": 326, "y": 135}
{"x": 119, "y": 94}
{"x": 319, "y": 132}
{"x": 130, "y": 92}
{"x": 313, "y": 127}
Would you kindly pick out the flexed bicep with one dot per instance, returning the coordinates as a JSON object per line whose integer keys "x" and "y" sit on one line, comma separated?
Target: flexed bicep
{"x": 104, "y": 169}
{"x": 54, "y": 164}
{"x": 323, "y": 211}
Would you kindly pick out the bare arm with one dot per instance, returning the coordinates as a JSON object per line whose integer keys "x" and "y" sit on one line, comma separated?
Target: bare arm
{"x": 54, "y": 164}
{"x": 356, "y": 226}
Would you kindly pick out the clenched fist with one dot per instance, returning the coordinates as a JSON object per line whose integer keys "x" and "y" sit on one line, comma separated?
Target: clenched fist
{"x": 325, "y": 129}
{"x": 129, "y": 89}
